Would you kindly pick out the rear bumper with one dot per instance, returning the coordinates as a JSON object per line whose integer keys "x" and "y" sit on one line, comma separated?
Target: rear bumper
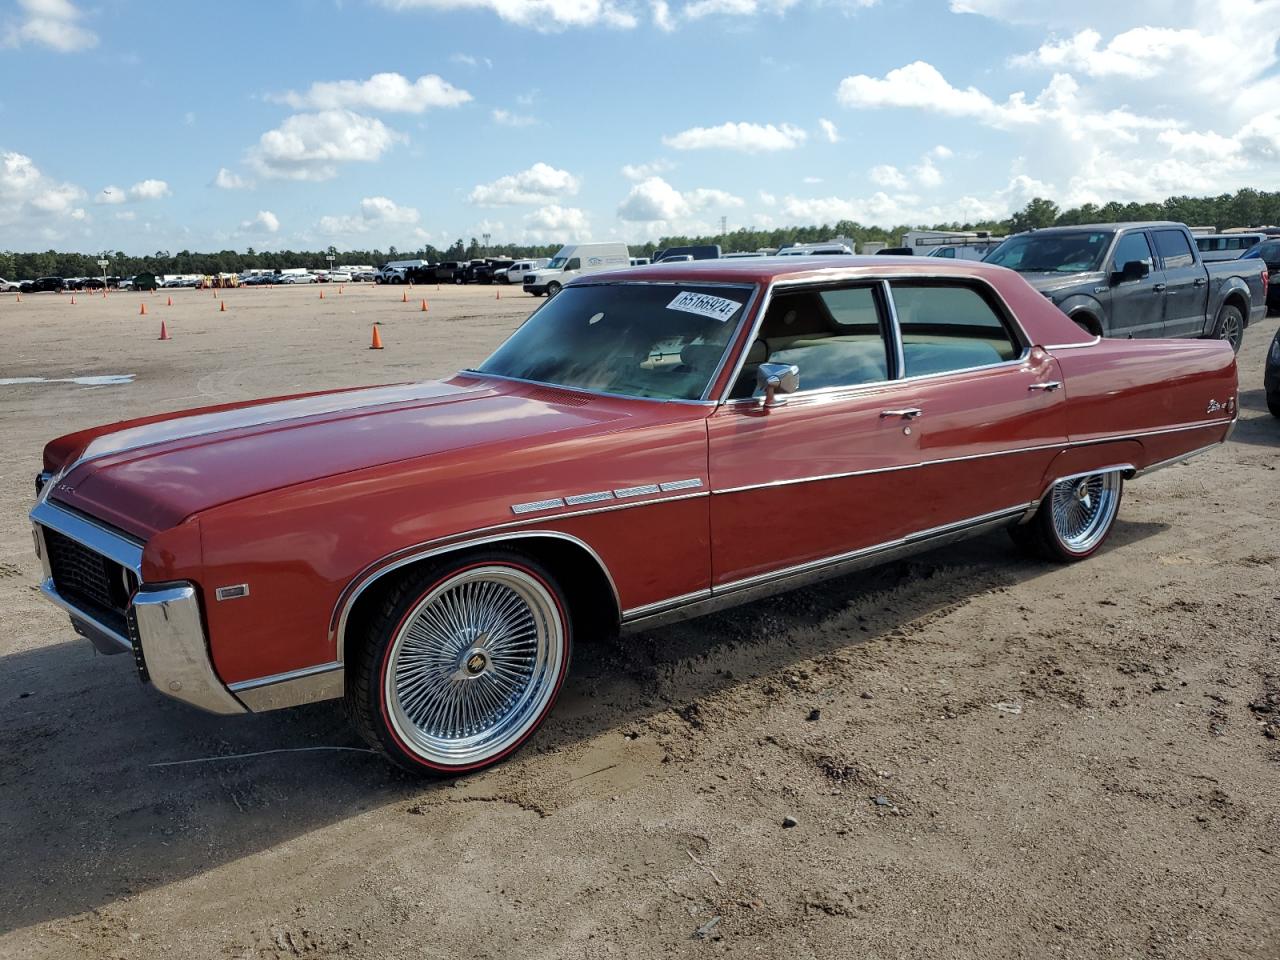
{"x": 165, "y": 628}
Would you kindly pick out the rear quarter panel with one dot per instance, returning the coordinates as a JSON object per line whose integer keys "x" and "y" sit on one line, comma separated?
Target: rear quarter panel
{"x": 1170, "y": 396}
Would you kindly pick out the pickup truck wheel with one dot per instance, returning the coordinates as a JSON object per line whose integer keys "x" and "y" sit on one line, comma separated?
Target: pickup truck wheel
{"x": 462, "y": 663}
{"x": 1230, "y": 327}
{"x": 1074, "y": 519}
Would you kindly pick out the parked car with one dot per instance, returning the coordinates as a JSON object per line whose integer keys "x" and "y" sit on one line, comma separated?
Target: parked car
{"x": 653, "y": 443}
{"x": 519, "y": 270}
{"x": 44, "y": 285}
{"x": 144, "y": 281}
{"x": 446, "y": 270}
{"x": 576, "y": 260}
{"x": 1226, "y": 246}
{"x": 486, "y": 270}
{"x": 364, "y": 276}
{"x": 9, "y": 286}
{"x": 466, "y": 272}
{"x": 1138, "y": 280}
{"x": 1271, "y": 376}
{"x": 977, "y": 250}
{"x": 339, "y": 276}
{"x": 93, "y": 283}
{"x": 701, "y": 251}
{"x": 1269, "y": 253}
{"x": 296, "y": 278}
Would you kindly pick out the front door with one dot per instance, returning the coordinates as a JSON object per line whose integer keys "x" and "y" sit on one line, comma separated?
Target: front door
{"x": 1137, "y": 306}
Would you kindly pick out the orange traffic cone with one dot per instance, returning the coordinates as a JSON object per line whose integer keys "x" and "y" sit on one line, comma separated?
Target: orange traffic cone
{"x": 73, "y": 299}
{"x": 222, "y": 306}
{"x": 169, "y": 301}
{"x": 404, "y": 297}
{"x": 19, "y": 298}
{"x": 321, "y": 294}
{"x": 424, "y": 306}
{"x": 497, "y": 294}
{"x": 377, "y": 340}
{"x": 164, "y": 332}
{"x": 339, "y": 291}
{"x": 142, "y": 312}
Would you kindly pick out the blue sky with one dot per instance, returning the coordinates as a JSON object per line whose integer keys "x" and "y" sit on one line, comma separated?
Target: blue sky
{"x": 144, "y": 126}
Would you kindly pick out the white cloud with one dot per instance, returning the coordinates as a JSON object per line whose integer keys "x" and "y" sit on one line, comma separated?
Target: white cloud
{"x": 829, "y": 130}
{"x": 654, "y": 200}
{"x": 33, "y": 204}
{"x": 554, "y": 223}
{"x": 942, "y": 153}
{"x": 662, "y": 18}
{"x": 506, "y": 118}
{"x": 142, "y": 190}
{"x": 927, "y": 174}
{"x": 745, "y": 137}
{"x": 226, "y": 180}
{"x": 812, "y": 180}
{"x": 310, "y": 146}
{"x": 636, "y": 172}
{"x": 264, "y": 222}
{"x": 542, "y": 15}
{"x": 376, "y": 214}
{"x": 383, "y": 92}
{"x": 768, "y": 199}
{"x": 471, "y": 61}
{"x": 1207, "y": 144}
{"x": 50, "y": 23}
{"x": 666, "y": 17}
{"x": 149, "y": 190}
{"x": 541, "y": 183}
{"x": 887, "y": 175}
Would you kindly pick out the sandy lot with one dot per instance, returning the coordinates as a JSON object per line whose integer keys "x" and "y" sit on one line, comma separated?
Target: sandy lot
{"x": 1009, "y": 759}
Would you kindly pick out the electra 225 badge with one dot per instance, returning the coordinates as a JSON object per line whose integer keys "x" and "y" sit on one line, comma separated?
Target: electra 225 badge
{"x": 1216, "y": 407}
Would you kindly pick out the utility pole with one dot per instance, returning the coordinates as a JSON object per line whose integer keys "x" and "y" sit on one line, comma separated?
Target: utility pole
{"x": 724, "y": 225}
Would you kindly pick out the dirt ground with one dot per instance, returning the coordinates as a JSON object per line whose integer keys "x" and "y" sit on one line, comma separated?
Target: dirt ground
{"x": 985, "y": 757}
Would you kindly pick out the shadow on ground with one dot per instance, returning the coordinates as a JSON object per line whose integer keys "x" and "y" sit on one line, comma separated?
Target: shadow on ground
{"x": 86, "y": 816}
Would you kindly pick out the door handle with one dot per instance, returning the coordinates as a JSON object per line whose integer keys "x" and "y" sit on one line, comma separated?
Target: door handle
{"x": 1157, "y": 288}
{"x": 907, "y": 413}
{"x": 1048, "y": 386}
{"x": 1200, "y": 282}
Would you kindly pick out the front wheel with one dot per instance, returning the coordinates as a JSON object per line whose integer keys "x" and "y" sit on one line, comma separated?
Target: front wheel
{"x": 1230, "y": 327}
{"x": 1074, "y": 519}
{"x": 553, "y": 288}
{"x": 462, "y": 663}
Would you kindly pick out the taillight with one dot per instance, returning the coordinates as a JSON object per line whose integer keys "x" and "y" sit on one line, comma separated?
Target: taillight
{"x": 1266, "y": 281}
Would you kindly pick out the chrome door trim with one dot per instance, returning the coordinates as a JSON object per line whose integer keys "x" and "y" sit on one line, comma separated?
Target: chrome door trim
{"x": 658, "y": 606}
{"x": 788, "y": 578}
{"x": 895, "y": 331}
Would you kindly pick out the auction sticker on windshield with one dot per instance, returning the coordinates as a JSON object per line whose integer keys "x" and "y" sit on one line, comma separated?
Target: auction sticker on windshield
{"x": 705, "y": 305}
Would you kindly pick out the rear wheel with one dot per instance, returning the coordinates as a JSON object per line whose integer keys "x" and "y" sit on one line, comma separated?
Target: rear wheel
{"x": 1075, "y": 518}
{"x": 1230, "y": 327}
{"x": 461, "y": 663}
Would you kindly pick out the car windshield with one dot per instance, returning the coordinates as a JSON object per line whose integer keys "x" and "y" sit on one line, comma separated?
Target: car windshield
{"x": 1270, "y": 252}
{"x": 1075, "y": 252}
{"x": 660, "y": 341}
{"x": 557, "y": 263}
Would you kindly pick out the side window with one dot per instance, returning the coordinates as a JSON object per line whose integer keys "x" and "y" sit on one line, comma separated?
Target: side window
{"x": 1174, "y": 250}
{"x": 1132, "y": 246}
{"x": 574, "y": 264}
{"x": 836, "y": 337}
{"x": 949, "y": 327}
{"x": 949, "y": 253}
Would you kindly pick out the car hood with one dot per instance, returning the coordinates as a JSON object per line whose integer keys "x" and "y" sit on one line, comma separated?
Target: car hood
{"x": 147, "y": 476}
{"x": 1055, "y": 283}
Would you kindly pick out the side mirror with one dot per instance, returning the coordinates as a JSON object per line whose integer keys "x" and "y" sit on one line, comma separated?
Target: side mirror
{"x": 1133, "y": 270}
{"x": 776, "y": 378}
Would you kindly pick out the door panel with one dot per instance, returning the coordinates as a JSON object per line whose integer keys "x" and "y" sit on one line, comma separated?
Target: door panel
{"x": 1137, "y": 306}
{"x": 823, "y": 474}
{"x": 1187, "y": 293}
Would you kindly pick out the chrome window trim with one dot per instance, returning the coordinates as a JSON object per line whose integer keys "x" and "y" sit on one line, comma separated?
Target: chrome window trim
{"x": 1074, "y": 346}
{"x": 113, "y": 544}
{"x": 895, "y": 331}
{"x": 702, "y": 400}
{"x": 1009, "y": 319}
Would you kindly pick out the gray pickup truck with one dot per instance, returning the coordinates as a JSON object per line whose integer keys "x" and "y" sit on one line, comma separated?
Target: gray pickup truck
{"x": 1138, "y": 280}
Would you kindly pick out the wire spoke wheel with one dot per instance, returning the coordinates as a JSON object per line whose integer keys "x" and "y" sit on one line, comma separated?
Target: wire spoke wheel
{"x": 1083, "y": 508}
{"x": 474, "y": 664}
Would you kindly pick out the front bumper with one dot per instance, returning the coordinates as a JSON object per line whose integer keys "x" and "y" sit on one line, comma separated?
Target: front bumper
{"x": 538, "y": 288}
{"x": 165, "y": 628}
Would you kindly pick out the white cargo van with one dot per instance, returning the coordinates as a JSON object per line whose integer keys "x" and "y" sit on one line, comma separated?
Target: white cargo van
{"x": 576, "y": 260}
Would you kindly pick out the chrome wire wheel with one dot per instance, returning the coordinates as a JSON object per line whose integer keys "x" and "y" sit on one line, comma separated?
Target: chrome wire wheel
{"x": 1083, "y": 509}
{"x": 474, "y": 665}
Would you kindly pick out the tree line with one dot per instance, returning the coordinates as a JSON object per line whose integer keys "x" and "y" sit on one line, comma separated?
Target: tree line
{"x": 1243, "y": 208}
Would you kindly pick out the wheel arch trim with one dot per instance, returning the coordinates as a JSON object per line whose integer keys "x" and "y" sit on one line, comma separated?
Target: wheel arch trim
{"x": 401, "y": 559}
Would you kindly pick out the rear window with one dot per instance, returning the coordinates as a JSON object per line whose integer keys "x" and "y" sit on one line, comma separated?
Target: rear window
{"x": 1173, "y": 248}
{"x": 949, "y": 327}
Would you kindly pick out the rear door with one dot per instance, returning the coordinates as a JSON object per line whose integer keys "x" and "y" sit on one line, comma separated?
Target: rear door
{"x": 1137, "y": 306}
{"x": 1186, "y": 296}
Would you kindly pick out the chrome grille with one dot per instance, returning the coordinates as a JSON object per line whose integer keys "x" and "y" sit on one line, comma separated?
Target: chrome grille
{"x": 88, "y": 579}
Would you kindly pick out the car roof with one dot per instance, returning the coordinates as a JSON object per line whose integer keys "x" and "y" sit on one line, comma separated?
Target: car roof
{"x": 1125, "y": 225}
{"x": 772, "y": 269}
